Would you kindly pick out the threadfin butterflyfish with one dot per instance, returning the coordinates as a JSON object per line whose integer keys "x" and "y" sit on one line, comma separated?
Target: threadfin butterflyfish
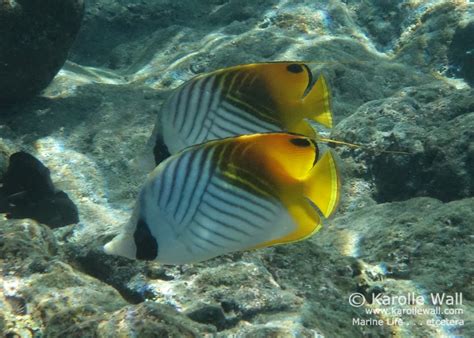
{"x": 229, "y": 195}
{"x": 245, "y": 99}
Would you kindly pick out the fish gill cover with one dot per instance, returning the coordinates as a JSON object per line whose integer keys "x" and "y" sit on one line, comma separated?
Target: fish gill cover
{"x": 394, "y": 260}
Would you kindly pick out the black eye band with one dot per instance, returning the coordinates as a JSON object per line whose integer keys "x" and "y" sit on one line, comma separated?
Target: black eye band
{"x": 300, "y": 142}
{"x": 294, "y": 68}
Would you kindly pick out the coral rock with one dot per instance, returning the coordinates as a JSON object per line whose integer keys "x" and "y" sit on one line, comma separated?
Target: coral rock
{"x": 36, "y": 37}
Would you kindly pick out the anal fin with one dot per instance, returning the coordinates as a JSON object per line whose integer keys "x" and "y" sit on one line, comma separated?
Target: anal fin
{"x": 306, "y": 219}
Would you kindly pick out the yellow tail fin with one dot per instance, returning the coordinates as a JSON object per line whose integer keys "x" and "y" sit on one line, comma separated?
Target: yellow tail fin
{"x": 316, "y": 103}
{"x": 322, "y": 186}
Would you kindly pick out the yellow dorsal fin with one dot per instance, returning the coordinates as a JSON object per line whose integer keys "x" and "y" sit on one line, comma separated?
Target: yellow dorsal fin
{"x": 316, "y": 103}
{"x": 322, "y": 185}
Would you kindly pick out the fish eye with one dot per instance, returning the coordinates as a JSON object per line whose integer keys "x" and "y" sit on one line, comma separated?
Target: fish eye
{"x": 300, "y": 142}
{"x": 294, "y": 68}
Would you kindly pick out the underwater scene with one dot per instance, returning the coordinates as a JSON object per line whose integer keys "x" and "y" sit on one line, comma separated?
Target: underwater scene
{"x": 226, "y": 168}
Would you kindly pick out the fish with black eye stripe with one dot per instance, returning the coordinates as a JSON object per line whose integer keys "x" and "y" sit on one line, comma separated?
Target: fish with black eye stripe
{"x": 245, "y": 99}
{"x": 228, "y": 195}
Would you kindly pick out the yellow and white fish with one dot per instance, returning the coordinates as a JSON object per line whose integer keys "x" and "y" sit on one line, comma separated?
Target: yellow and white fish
{"x": 245, "y": 99}
{"x": 230, "y": 195}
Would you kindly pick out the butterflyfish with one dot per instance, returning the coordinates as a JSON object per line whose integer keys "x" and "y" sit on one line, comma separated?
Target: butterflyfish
{"x": 229, "y": 195}
{"x": 245, "y": 99}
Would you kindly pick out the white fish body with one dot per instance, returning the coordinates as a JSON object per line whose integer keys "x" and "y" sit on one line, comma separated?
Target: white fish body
{"x": 229, "y": 195}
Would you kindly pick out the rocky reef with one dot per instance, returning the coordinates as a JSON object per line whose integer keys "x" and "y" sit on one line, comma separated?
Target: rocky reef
{"x": 36, "y": 38}
{"x": 400, "y": 73}
{"x": 28, "y": 192}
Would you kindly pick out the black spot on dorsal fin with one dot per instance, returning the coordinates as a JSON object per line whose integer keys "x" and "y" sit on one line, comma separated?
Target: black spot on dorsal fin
{"x": 147, "y": 247}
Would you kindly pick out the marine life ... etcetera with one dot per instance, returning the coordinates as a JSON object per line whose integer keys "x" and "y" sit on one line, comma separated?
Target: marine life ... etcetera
{"x": 245, "y": 99}
{"x": 228, "y": 195}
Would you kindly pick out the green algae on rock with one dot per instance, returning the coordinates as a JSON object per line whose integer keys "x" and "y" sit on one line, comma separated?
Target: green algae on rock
{"x": 402, "y": 247}
{"x": 420, "y": 121}
{"x": 227, "y": 293}
{"x": 461, "y": 60}
{"x": 24, "y": 244}
{"x": 151, "y": 320}
{"x": 36, "y": 284}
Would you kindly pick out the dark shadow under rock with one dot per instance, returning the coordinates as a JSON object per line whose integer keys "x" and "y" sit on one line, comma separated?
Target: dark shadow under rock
{"x": 28, "y": 192}
{"x": 36, "y": 37}
{"x": 3, "y": 154}
{"x": 121, "y": 273}
{"x": 461, "y": 52}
